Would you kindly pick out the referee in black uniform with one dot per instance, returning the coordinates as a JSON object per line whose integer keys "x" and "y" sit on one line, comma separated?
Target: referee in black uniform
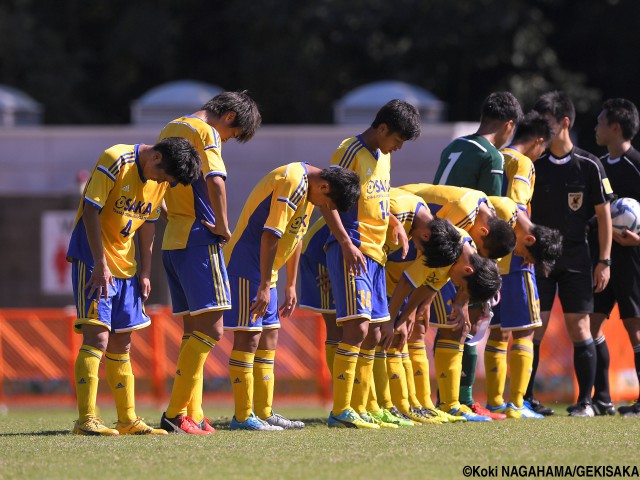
{"x": 571, "y": 187}
{"x": 617, "y": 125}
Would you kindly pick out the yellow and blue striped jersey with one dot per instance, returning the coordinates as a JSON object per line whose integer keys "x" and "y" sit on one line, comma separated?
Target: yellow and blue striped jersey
{"x": 126, "y": 200}
{"x": 459, "y": 205}
{"x": 418, "y": 274}
{"x": 367, "y": 222}
{"x": 404, "y": 206}
{"x": 278, "y": 203}
{"x": 187, "y": 205}
{"x": 507, "y": 210}
{"x": 519, "y": 177}
{"x": 314, "y": 241}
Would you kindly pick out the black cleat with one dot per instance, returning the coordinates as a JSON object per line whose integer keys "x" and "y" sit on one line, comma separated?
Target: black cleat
{"x": 603, "y": 408}
{"x": 632, "y": 410}
{"x": 581, "y": 409}
{"x": 537, "y": 407}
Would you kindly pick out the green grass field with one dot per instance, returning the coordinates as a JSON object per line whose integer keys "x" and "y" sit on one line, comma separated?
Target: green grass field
{"x": 36, "y": 443}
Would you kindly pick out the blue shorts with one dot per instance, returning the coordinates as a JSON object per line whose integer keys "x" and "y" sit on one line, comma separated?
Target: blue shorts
{"x": 197, "y": 278}
{"x": 243, "y": 294}
{"x": 312, "y": 297}
{"x": 123, "y": 311}
{"x": 442, "y": 306}
{"x": 357, "y": 296}
{"x": 519, "y": 304}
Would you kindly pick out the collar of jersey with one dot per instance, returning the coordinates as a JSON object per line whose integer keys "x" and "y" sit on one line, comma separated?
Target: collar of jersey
{"x": 375, "y": 154}
{"x": 559, "y": 161}
{"x": 144, "y": 180}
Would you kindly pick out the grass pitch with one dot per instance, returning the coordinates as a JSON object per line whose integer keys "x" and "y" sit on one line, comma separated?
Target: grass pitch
{"x": 36, "y": 443}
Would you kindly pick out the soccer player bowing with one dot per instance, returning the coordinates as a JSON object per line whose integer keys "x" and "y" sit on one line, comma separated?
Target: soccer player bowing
{"x": 123, "y": 195}
{"x": 267, "y": 237}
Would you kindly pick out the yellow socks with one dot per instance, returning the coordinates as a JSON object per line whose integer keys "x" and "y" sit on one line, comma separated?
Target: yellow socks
{"x": 381, "y": 379}
{"x": 397, "y": 380}
{"x": 408, "y": 371}
{"x": 521, "y": 363}
{"x": 189, "y": 373}
{"x": 420, "y": 363}
{"x": 362, "y": 380}
{"x": 372, "y": 399}
{"x": 263, "y": 382}
{"x": 86, "y": 376}
{"x": 121, "y": 381}
{"x": 330, "y": 347}
{"x": 448, "y": 360}
{"x": 241, "y": 375}
{"x": 194, "y": 409}
{"x": 495, "y": 365}
{"x": 344, "y": 369}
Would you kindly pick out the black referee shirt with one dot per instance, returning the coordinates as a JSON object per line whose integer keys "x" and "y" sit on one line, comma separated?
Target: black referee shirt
{"x": 566, "y": 191}
{"x": 624, "y": 173}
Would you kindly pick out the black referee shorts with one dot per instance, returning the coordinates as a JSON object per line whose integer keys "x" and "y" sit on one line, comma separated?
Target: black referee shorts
{"x": 624, "y": 284}
{"x": 571, "y": 279}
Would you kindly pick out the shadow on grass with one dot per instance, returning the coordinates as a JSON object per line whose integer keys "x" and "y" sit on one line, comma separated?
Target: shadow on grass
{"x": 223, "y": 423}
{"x": 44, "y": 433}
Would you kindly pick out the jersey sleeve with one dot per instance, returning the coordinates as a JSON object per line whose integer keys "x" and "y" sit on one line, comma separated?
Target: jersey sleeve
{"x": 490, "y": 177}
{"x": 418, "y": 275}
{"x": 102, "y": 180}
{"x": 601, "y": 191}
{"x": 288, "y": 192}
{"x": 520, "y": 187}
{"x": 212, "y": 164}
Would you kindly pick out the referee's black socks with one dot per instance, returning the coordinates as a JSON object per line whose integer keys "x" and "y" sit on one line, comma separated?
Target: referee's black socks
{"x": 584, "y": 363}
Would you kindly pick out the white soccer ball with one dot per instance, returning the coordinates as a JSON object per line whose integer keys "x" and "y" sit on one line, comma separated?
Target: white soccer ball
{"x": 625, "y": 214}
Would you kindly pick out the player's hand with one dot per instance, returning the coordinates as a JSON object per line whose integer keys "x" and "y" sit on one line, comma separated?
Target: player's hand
{"x": 386, "y": 335}
{"x": 145, "y": 287}
{"x": 354, "y": 259}
{"x": 99, "y": 282}
{"x": 401, "y": 333}
{"x": 459, "y": 318}
{"x": 221, "y": 231}
{"x": 601, "y": 277}
{"x": 324, "y": 282}
{"x": 259, "y": 307}
{"x": 290, "y": 302}
{"x": 627, "y": 239}
{"x": 400, "y": 238}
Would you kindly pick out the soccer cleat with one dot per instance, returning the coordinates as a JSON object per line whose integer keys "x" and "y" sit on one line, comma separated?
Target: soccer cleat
{"x": 368, "y": 417}
{"x": 480, "y": 410}
{"x": 349, "y": 419}
{"x": 446, "y": 417}
{"x": 386, "y": 416}
{"x": 138, "y": 427}
{"x": 252, "y": 423}
{"x": 206, "y": 426}
{"x": 603, "y": 408}
{"x": 417, "y": 417}
{"x": 632, "y": 410}
{"x": 582, "y": 410}
{"x": 499, "y": 409}
{"x": 280, "y": 421}
{"x": 467, "y": 413}
{"x": 181, "y": 424}
{"x": 94, "y": 426}
{"x": 537, "y": 407}
{"x": 406, "y": 420}
{"x": 521, "y": 412}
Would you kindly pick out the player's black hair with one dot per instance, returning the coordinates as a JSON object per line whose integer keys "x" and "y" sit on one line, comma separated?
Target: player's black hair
{"x": 558, "y": 105}
{"x": 443, "y": 247}
{"x": 344, "y": 187}
{"x": 547, "y": 248}
{"x": 180, "y": 159}
{"x": 502, "y": 106}
{"x": 532, "y": 126}
{"x": 400, "y": 117}
{"x": 485, "y": 281}
{"x": 248, "y": 116}
{"x": 501, "y": 239}
{"x": 624, "y": 113}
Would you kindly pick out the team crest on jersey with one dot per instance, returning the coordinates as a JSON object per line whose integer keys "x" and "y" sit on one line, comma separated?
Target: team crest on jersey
{"x": 575, "y": 201}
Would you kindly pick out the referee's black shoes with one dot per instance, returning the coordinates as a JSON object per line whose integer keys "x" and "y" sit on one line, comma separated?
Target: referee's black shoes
{"x": 537, "y": 407}
{"x": 600, "y": 408}
{"x": 630, "y": 410}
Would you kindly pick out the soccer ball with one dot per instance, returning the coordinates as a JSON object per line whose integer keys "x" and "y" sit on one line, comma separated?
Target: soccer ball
{"x": 625, "y": 214}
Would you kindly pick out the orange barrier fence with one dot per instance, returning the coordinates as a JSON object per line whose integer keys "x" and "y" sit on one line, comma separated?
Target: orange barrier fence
{"x": 38, "y": 350}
